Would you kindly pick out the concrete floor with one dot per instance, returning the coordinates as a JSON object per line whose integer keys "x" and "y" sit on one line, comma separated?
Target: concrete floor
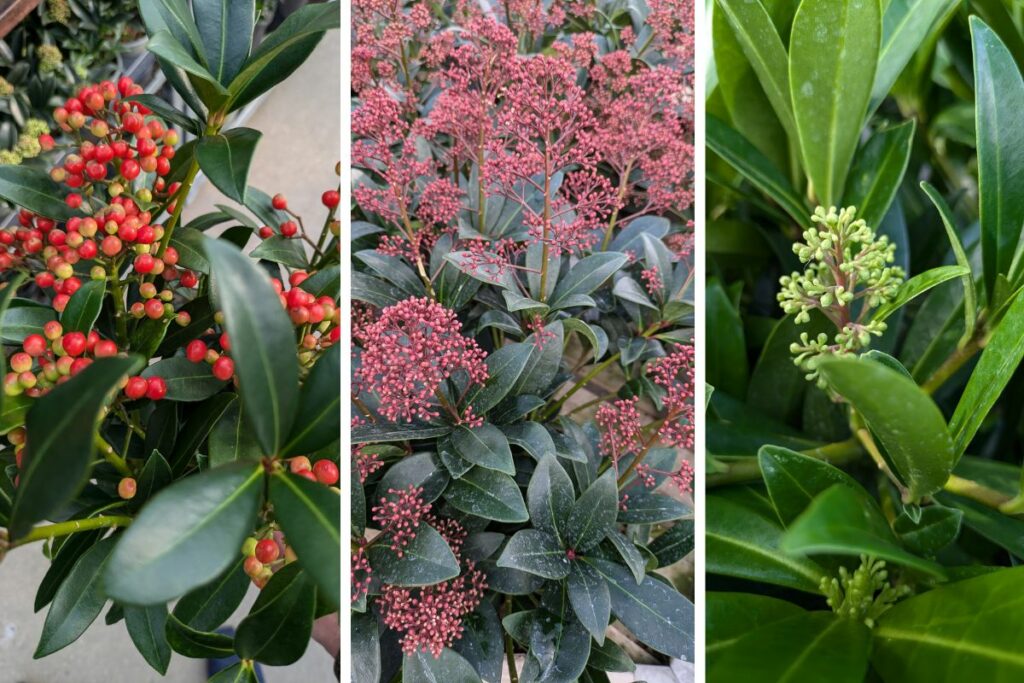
{"x": 296, "y": 156}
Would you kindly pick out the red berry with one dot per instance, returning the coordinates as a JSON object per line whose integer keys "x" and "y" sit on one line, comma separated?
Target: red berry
{"x": 34, "y": 345}
{"x": 223, "y": 368}
{"x": 130, "y": 169}
{"x": 252, "y": 566}
{"x": 144, "y": 263}
{"x": 308, "y": 474}
{"x": 331, "y": 199}
{"x": 74, "y": 344}
{"x": 126, "y": 488}
{"x": 136, "y": 388}
{"x": 326, "y": 472}
{"x": 289, "y": 228}
{"x": 189, "y": 279}
{"x": 266, "y": 232}
{"x": 154, "y": 309}
{"x": 299, "y": 463}
{"x": 104, "y": 348}
{"x": 156, "y": 389}
{"x": 267, "y": 551}
{"x": 196, "y": 350}
{"x": 279, "y": 202}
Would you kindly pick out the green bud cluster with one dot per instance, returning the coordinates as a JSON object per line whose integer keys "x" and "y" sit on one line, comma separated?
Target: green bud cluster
{"x": 50, "y": 58}
{"x": 846, "y": 263}
{"x": 863, "y": 595}
{"x": 27, "y": 146}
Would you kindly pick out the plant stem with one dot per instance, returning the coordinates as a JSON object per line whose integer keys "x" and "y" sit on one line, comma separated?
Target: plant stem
{"x": 977, "y": 492}
{"x": 746, "y": 469}
{"x": 120, "y": 312}
{"x": 950, "y": 366}
{"x": 545, "y": 249}
{"x": 41, "y": 533}
{"x": 510, "y": 655}
{"x": 623, "y": 184}
{"x": 594, "y": 372}
{"x": 111, "y": 456}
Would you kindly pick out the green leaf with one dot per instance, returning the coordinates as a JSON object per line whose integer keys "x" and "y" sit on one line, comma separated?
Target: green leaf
{"x": 197, "y": 644}
{"x": 208, "y": 607}
{"x": 231, "y": 440}
{"x": 841, "y": 521}
{"x": 586, "y": 276}
{"x": 754, "y": 166}
{"x": 804, "y": 647}
{"x": 1003, "y": 530}
{"x": 970, "y": 296}
{"x": 609, "y": 657}
{"x": 155, "y": 475}
{"x": 163, "y": 45}
{"x": 284, "y": 250}
{"x": 19, "y": 322}
{"x": 903, "y": 38}
{"x": 488, "y": 494}
{"x": 594, "y": 514}
{"x": 968, "y": 630}
{"x": 999, "y": 99}
{"x": 937, "y": 528}
{"x": 78, "y": 601}
{"x": 833, "y": 53}
{"x": 674, "y": 544}
{"x": 189, "y": 244}
{"x": 242, "y": 672}
{"x": 652, "y": 508}
{"x": 658, "y": 615}
{"x": 186, "y": 536}
{"x": 904, "y": 418}
{"x": 877, "y": 172}
{"x": 485, "y": 446}
{"x": 744, "y": 543}
{"x": 146, "y": 627}
{"x": 310, "y": 515}
{"x": 265, "y": 364}
{"x": 225, "y": 159}
{"x": 200, "y": 422}
{"x": 32, "y": 189}
{"x": 532, "y": 437}
{"x": 996, "y": 366}
{"x": 61, "y": 426}
{"x": 283, "y": 51}
{"x": 83, "y": 307}
{"x": 169, "y": 113}
{"x": 536, "y": 552}
{"x": 918, "y": 285}
{"x": 226, "y": 30}
{"x": 426, "y": 560}
{"x": 629, "y": 554}
{"x": 727, "y": 360}
{"x": 550, "y": 497}
{"x": 794, "y": 480}
{"x": 545, "y": 361}
{"x": 731, "y": 615}
{"x": 277, "y": 629}
{"x": 63, "y": 561}
{"x": 365, "y": 665}
{"x": 450, "y": 667}
{"x": 758, "y": 38}
{"x": 318, "y": 421}
{"x": 186, "y": 381}
{"x": 6, "y": 295}
{"x": 420, "y": 470}
{"x": 504, "y": 367}
{"x": 590, "y": 599}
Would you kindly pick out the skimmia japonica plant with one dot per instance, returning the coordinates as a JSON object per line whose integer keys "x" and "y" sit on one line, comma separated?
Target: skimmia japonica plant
{"x": 523, "y": 377}
{"x": 864, "y": 504}
{"x": 170, "y": 406}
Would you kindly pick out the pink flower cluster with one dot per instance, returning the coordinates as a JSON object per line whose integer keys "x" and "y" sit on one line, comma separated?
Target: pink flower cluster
{"x": 399, "y": 516}
{"x": 675, "y": 375}
{"x": 408, "y": 352}
{"x": 621, "y": 430}
{"x": 430, "y": 618}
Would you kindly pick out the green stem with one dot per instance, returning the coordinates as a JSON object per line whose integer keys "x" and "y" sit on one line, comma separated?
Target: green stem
{"x": 978, "y": 492}
{"x": 594, "y": 372}
{"x": 41, "y": 533}
{"x": 956, "y": 361}
{"x": 111, "y": 456}
{"x": 545, "y": 249}
{"x": 510, "y": 655}
{"x": 746, "y": 469}
{"x": 623, "y": 184}
{"x": 120, "y": 311}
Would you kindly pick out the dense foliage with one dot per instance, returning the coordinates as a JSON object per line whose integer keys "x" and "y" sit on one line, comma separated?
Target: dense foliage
{"x": 171, "y": 405}
{"x": 523, "y": 379}
{"x": 864, "y": 508}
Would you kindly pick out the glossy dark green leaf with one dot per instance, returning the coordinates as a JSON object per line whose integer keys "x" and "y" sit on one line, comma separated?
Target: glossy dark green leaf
{"x": 65, "y": 558}
{"x": 629, "y": 553}
{"x": 545, "y": 361}
{"x": 918, "y": 285}
{"x": 198, "y": 426}
{"x": 6, "y": 295}
{"x": 840, "y": 522}
{"x": 1003, "y": 530}
{"x": 83, "y": 307}
{"x": 902, "y": 36}
{"x": 186, "y": 536}
{"x": 833, "y": 53}
{"x": 19, "y": 322}
{"x": 878, "y": 171}
{"x": 558, "y": 652}
{"x": 284, "y": 250}
{"x": 532, "y": 437}
{"x": 608, "y": 656}
{"x": 319, "y": 415}
{"x": 169, "y": 113}
{"x": 226, "y": 31}
{"x": 487, "y": 494}
{"x": 594, "y": 514}
{"x": 146, "y": 627}
{"x": 277, "y": 628}
{"x": 729, "y": 616}
{"x": 794, "y": 480}
{"x": 754, "y": 166}
{"x": 658, "y": 615}
{"x": 586, "y": 276}
{"x": 450, "y": 667}
{"x": 744, "y": 543}
{"x": 155, "y": 475}
{"x": 365, "y": 649}
{"x": 78, "y": 601}
{"x": 282, "y": 51}
{"x": 948, "y": 222}
{"x": 166, "y": 47}
{"x": 421, "y": 471}
{"x": 727, "y": 365}
{"x": 652, "y": 508}
{"x": 310, "y": 515}
{"x": 804, "y": 647}
{"x": 189, "y": 244}
{"x": 485, "y": 446}
{"x": 536, "y": 552}
{"x": 999, "y": 98}
{"x": 61, "y": 426}
{"x": 208, "y": 607}
{"x": 266, "y": 364}
{"x": 242, "y": 672}
{"x": 195, "y": 643}
{"x": 231, "y": 440}
{"x": 966, "y": 630}
{"x": 32, "y": 189}
{"x": 504, "y": 367}
{"x": 426, "y": 560}
{"x": 590, "y": 599}
{"x": 938, "y": 527}
{"x": 483, "y": 641}
{"x": 777, "y": 386}
{"x": 381, "y": 432}
{"x": 903, "y": 418}
{"x": 225, "y": 159}
{"x": 186, "y": 381}
{"x": 550, "y": 497}
{"x": 674, "y": 544}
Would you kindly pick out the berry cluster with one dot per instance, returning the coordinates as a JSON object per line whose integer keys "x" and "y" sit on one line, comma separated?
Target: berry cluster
{"x": 323, "y": 471}
{"x": 263, "y": 556}
{"x": 321, "y": 314}
{"x": 293, "y": 227}
{"x": 52, "y": 358}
